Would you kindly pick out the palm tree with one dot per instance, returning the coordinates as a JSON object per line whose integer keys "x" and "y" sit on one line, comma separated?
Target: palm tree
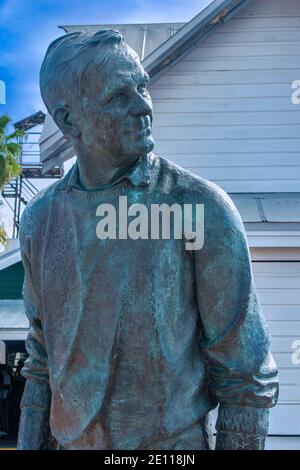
{"x": 10, "y": 150}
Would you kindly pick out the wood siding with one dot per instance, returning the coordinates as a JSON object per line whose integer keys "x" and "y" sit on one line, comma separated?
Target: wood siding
{"x": 278, "y": 286}
{"x": 225, "y": 111}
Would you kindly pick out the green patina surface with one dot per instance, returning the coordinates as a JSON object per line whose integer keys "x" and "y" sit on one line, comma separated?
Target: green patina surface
{"x": 133, "y": 341}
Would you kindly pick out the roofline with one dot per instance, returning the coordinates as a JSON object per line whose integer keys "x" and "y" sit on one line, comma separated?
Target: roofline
{"x": 11, "y": 258}
{"x": 218, "y": 11}
{"x": 119, "y": 24}
{"x": 202, "y": 24}
{"x": 28, "y": 122}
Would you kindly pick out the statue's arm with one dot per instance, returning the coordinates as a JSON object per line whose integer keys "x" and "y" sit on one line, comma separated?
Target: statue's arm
{"x": 235, "y": 339}
{"x": 34, "y": 430}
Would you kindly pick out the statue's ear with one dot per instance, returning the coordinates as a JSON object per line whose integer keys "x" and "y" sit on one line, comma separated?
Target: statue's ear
{"x": 65, "y": 119}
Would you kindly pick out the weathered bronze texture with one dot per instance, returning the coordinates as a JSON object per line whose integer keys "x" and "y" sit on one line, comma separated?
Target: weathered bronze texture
{"x": 133, "y": 342}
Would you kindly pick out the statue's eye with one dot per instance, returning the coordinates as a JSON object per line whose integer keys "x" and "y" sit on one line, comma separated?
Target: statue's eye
{"x": 116, "y": 96}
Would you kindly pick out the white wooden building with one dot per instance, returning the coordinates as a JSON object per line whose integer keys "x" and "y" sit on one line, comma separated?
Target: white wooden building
{"x": 221, "y": 87}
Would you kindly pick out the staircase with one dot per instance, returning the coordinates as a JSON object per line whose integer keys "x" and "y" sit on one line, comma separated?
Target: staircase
{"x": 11, "y": 191}
{"x": 19, "y": 190}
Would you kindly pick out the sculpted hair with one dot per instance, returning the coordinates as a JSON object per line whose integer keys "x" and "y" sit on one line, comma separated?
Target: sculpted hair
{"x": 67, "y": 60}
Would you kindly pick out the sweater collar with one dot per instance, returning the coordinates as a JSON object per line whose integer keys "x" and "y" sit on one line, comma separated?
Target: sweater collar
{"x": 139, "y": 174}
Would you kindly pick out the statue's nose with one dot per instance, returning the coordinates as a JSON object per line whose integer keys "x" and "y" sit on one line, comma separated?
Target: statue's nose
{"x": 141, "y": 106}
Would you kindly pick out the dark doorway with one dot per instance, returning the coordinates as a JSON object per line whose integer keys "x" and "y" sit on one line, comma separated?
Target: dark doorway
{"x": 11, "y": 389}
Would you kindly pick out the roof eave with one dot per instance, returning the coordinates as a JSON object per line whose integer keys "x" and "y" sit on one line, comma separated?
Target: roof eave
{"x": 11, "y": 255}
{"x": 67, "y": 26}
{"x": 199, "y": 27}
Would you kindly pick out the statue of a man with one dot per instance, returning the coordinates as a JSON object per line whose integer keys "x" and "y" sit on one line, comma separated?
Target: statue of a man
{"x": 133, "y": 340}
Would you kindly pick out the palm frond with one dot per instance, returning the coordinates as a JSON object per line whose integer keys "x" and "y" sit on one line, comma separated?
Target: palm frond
{"x": 10, "y": 150}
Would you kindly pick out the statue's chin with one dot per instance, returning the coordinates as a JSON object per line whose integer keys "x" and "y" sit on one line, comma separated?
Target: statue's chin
{"x": 140, "y": 148}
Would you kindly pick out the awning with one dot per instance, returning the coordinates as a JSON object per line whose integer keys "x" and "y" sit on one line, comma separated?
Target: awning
{"x": 10, "y": 254}
{"x": 268, "y": 207}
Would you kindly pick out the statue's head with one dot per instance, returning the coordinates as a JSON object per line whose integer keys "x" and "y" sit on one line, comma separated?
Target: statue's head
{"x": 95, "y": 88}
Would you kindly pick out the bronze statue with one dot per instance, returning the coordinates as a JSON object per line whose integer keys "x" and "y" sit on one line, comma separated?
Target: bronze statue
{"x": 133, "y": 340}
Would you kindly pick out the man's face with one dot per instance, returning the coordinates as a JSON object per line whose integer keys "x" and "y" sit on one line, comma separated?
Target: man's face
{"x": 116, "y": 110}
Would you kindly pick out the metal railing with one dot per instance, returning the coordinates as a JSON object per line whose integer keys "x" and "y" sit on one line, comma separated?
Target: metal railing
{"x": 20, "y": 189}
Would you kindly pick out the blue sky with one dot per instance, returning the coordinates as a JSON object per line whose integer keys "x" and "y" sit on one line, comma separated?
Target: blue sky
{"x": 28, "y": 26}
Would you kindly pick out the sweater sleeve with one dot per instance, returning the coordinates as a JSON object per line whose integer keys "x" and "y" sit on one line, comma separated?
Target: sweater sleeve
{"x": 235, "y": 338}
{"x": 35, "y": 404}
{"x": 36, "y": 366}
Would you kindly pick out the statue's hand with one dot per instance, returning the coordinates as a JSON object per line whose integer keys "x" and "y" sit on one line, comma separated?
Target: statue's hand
{"x": 243, "y": 428}
{"x": 239, "y": 441}
{"x": 34, "y": 427}
{"x": 34, "y": 430}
